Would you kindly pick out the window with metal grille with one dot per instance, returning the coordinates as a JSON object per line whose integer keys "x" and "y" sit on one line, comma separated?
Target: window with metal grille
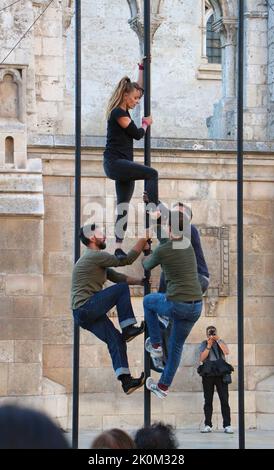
{"x": 213, "y": 43}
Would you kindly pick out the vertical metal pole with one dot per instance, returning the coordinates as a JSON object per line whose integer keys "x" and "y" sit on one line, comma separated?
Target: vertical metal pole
{"x": 76, "y": 347}
{"x": 147, "y": 396}
{"x": 240, "y": 264}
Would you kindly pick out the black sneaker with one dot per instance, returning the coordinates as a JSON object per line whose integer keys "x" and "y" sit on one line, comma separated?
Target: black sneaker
{"x": 120, "y": 254}
{"x": 131, "y": 331}
{"x": 130, "y": 384}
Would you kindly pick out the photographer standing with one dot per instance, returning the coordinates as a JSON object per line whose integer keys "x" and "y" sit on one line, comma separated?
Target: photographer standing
{"x": 210, "y": 350}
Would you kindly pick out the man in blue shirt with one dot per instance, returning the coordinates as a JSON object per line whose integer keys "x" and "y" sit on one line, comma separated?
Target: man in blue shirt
{"x": 202, "y": 268}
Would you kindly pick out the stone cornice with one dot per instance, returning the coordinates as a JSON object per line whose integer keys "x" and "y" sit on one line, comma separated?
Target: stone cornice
{"x": 21, "y": 194}
{"x": 165, "y": 144}
{"x": 171, "y": 164}
{"x": 256, "y": 14}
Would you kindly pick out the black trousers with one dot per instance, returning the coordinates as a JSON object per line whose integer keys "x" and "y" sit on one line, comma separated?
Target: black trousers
{"x": 125, "y": 173}
{"x": 222, "y": 389}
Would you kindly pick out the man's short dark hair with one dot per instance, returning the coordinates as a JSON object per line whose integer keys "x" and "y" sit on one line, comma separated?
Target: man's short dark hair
{"x": 157, "y": 436}
{"x": 176, "y": 222}
{"x": 85, "y": 232}
{"x": 186, "y": 209}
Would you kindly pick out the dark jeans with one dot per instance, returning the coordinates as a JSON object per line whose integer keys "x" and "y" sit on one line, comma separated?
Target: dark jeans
{"x": 125, "y": 173}
{"x": 183, "y": 315}
{"x": 222, "y": 390}
{"x": 92, "y": 316}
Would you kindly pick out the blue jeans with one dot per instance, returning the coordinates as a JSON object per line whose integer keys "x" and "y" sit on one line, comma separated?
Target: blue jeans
{"x": 183, "y": 316}
{"x": 92, "y": 316}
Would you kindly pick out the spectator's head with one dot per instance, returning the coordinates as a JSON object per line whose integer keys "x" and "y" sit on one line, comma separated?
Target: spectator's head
{"x": 23, "y": 428}
{"x": 211, "y": 331}
{"x": 92, "y": 236}
{"x": 113, "y": 439}
{"x": 157, "y": 436}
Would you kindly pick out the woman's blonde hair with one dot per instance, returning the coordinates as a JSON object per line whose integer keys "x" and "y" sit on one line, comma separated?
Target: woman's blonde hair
{"x": 124, "y": 86}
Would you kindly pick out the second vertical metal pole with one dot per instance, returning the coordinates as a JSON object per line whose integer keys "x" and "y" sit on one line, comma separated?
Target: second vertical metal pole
{"x": 77, "y": 221}
{"x": 147, "y": 111}
{"x": 240, "y": 247}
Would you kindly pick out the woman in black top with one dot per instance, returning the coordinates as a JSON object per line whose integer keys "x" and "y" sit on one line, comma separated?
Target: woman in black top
{"x": 118, "y": 154}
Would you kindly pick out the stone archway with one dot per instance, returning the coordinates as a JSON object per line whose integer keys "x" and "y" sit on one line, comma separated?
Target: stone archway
{"x": 218, "y": 13}
{"x": 224, "y": 8}
{"x": 9, "y": 96}
{"x": 134, "y": 7}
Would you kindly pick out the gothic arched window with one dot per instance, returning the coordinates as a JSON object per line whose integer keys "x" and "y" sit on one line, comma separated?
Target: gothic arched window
{"x": 213, "y": 43}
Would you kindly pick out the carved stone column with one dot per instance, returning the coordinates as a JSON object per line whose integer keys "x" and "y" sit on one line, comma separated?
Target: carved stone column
{"x": 68, "y": 12}
{"x": 137, "y": 19}
{"x": 256, "y": 62}
{"x": 229, "y": 41}
{"x": 222, "y": 125}
{"x": 271, "y": 74}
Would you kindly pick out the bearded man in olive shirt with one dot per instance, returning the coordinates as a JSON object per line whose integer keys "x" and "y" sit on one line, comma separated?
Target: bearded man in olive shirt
{"x": 182, "y": 302}
{"x": 90, "y": 302}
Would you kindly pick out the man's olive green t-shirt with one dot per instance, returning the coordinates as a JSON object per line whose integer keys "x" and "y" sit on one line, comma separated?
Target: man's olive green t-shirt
{"x": 180, "y": 269}
{"x": 91, "y": 272}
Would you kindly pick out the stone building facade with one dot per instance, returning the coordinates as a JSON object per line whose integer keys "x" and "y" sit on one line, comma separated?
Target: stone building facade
{"x": 193, "y": 141}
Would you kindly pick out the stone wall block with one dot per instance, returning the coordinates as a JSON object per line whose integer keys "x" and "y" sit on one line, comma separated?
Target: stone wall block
{"x": 57, "y": 285}
{"x": 255, "y": 374}
{"x": 107, "y": 383}
{"x": 56, "y": 186}
{"x": 20, "y": 328}
{"x": 57, "y": 331}
{"x": 4, "y": 379}
{"x": 28, "y": 351}
{"x": 24, "y": 284}
{"x": 57, "y": 356}
{"x": 18, "y": 232}
{"x": 24, "y": 379}
{"x": 6, "y": 351}
{"x": 21, "y": 261}
{"x": 28, "y": 306}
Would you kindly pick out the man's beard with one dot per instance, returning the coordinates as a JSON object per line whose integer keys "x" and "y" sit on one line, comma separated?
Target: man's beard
{"x": 101, "y": 245}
